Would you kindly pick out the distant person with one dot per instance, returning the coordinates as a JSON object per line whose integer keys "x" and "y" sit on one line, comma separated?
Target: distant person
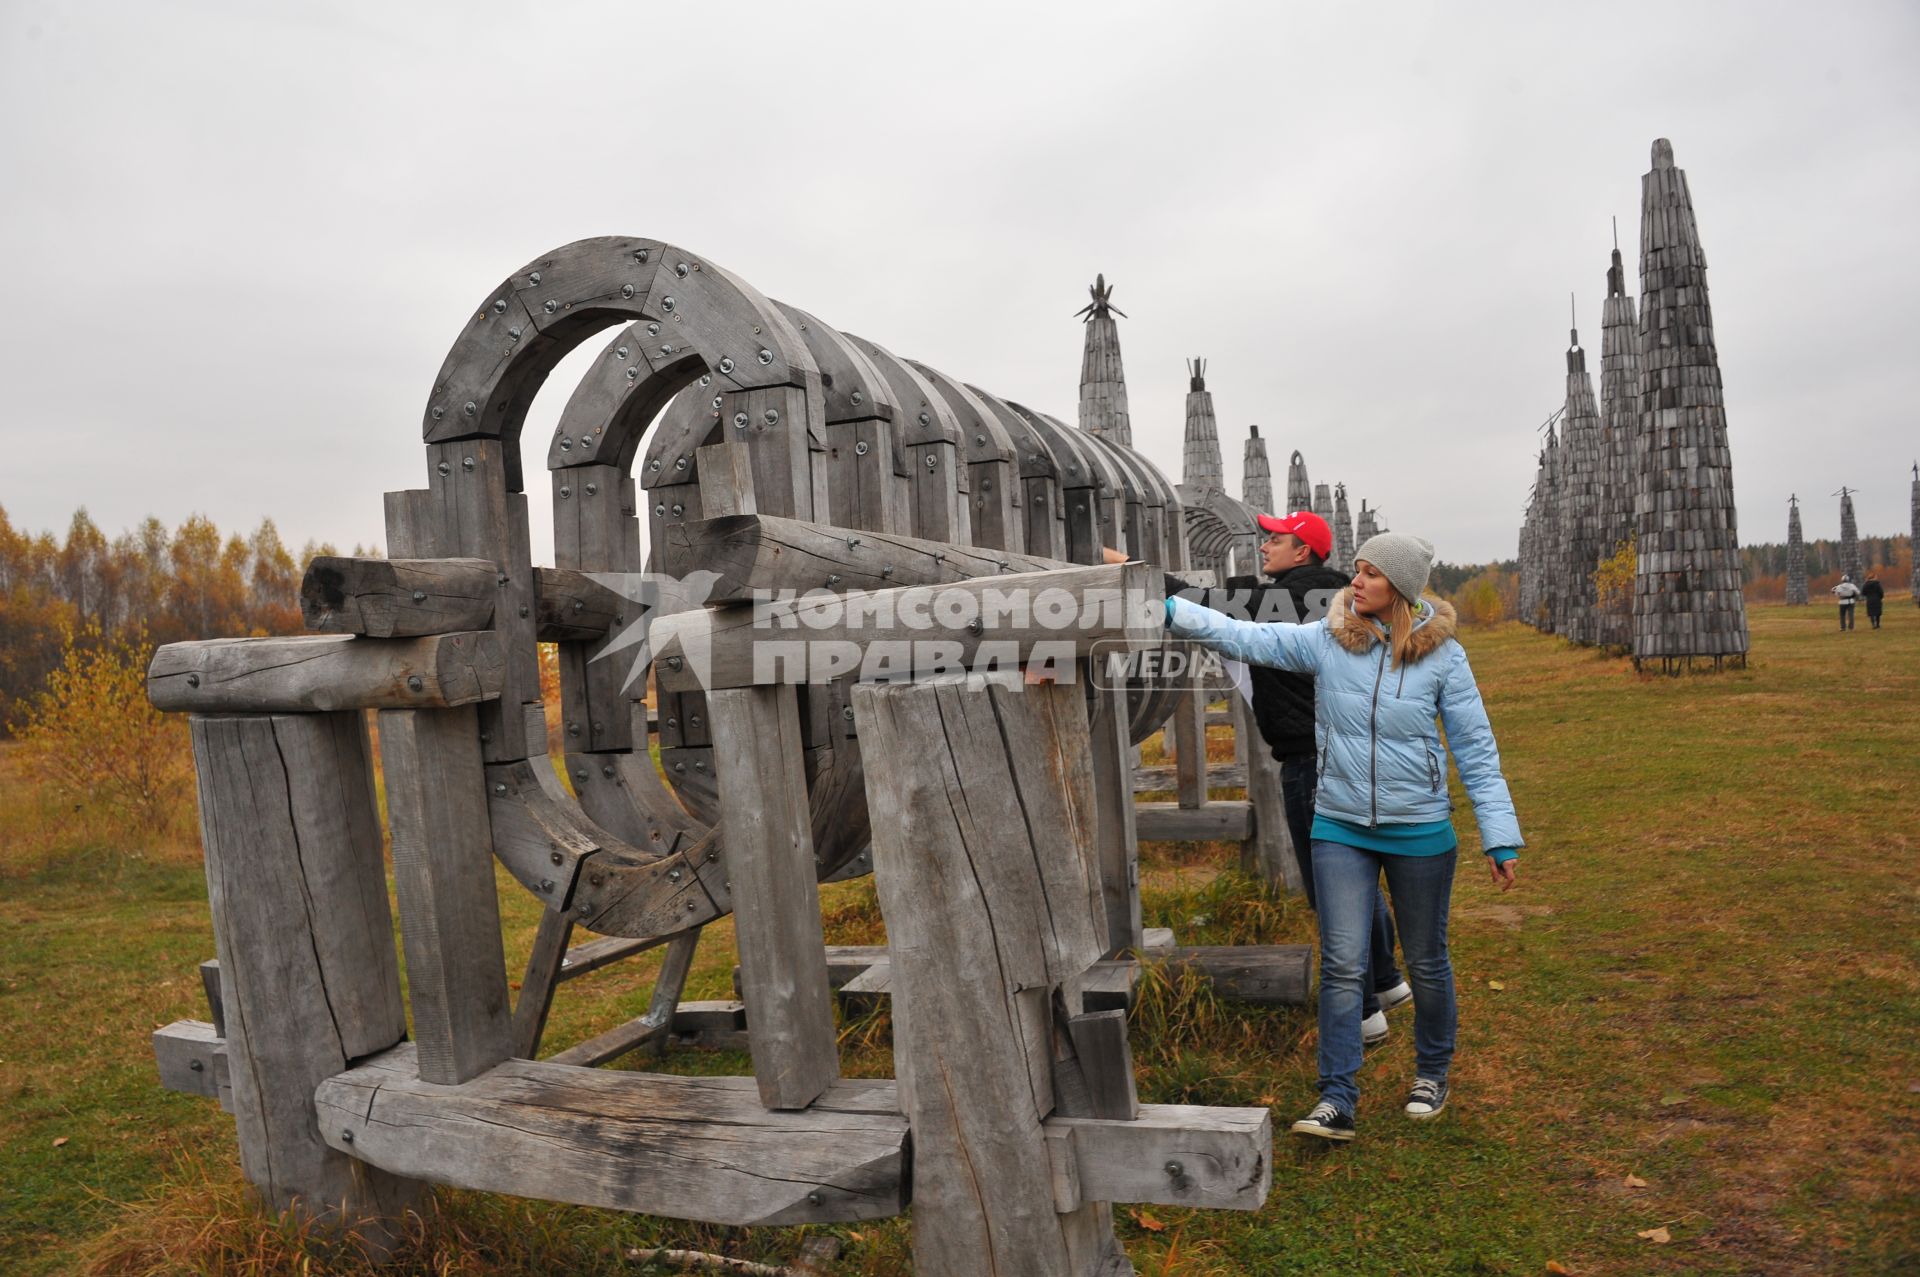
{"x": 1846, "y": 592}
{"x": 1387, "y": 673}
{"x": 1875, "y": 596}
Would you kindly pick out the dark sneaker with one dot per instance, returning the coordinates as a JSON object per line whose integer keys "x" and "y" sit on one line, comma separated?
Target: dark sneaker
{"x": 1373, "y": 1029}
{"x": 1399, "y": 995}
{"x": 1325, "y": 1122}
{"x": 1426, "y": 1099}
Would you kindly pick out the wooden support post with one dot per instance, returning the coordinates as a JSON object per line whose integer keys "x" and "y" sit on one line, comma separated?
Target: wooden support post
{"x": 776, "y": 901}
{"x": 443, "y": 878}
{"x": 308, "y": 974}
{"x": 1190, "y": 748}
{"x": 984, "y": 842}
{"x": 541, "y": 979}
{"x": 1119, "y": 846}
{"x": 1268, "y": 851}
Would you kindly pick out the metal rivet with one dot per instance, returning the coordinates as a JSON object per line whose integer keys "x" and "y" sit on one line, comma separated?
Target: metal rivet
{"x": 419, "y": 596}
{"x": 444, "y": 469}
{"x": 546, "y": 885}
{"x": 974, "y": 626}
{"x": 566, "y": 491}
{"x": 551, "y": 306}
{"x": 583, "y": 909}
{"x": 986, "y": 485}
{"x": 415, "y": 683}
{"x": 639, "y": 254}
{"x": 593, "y": 489}
{"x": 666, "y": 305}
{"x": 979, "y": 441}
{"x": 726, "y": 363}
{"x": 580, "y": 777}
{"x": 846, "y": 712}
{"x": 573, "y": 729}
{"x": 673, "y": 662}
{"x": 699, "y": 764}
{"x": 654, "y": 464}
{"x": 858, "y": 398}
{"x": 939, "y": 556}
{"x": 535, "y": 277}
{"x": 633, "y": 374}
{"x": 716, "y": 401}
{"x": 437, "y": 412}
{"x": 500, "y": 788}
{"x": 679, "y": 463}
{"x": 673, "y": 875}
{"x": 678, "y": 509}
{"x": 691, "y": 906}
{"x": 660, "y": 507}
{"x": 607, "y": 772}
{"x": 193, "y": 680}
{"x": 833, "y": 579}
{"x": 681, "y": 769}
{"x": 555, "y": 857}
{"x": 672, "y": 722}
{"x": 346, "y": 1137}
{"x": 621, "y": 353}
{"x": 772, "y": 416}
{"x": 1176, "y": 1170}
{"x": 680, "y": 269}
{"x": 853, "y": 542}
{"x": 931, "y": 463}
{"x": 653, "y": 330}
{"x": 766, "y": 356}
{"x": 739, "y": 421}
{"x": 666, "y": 350}
{"x": 197, "y": 1066}
{"x": 523, "y": 612}
{"x": 626, "y": 291}
{"x": 814, "y": 1197}
{"x": 756, "y": 328}
{"x": 706, "y": 379}
{"x": 860, "y": 449}
{"x": 513, "y": 333}
{"x": 566, "y": 444}
{"x": 470, "y": 407}
{"x": 887, "y": 570}
{"x": 500, "y": 306}
{"x": 926, "y": 419}
{"x": 579, "y": 605}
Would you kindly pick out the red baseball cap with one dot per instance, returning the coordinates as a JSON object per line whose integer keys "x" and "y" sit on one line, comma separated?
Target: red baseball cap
{"x": 1306, "y": 525}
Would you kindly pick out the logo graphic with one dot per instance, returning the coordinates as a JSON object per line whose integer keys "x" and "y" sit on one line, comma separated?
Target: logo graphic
{"x": 657, "y": 596}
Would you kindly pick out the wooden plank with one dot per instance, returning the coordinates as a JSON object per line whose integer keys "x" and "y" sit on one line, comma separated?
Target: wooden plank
{"x": 1190, "y": 750}
{"x": 309, "y": 978}
{"x": 1109, "y": 985}
{"x": 1176, "y": 1155}
{"x": 650, "y": 1029}
{"x": 770, "y": 862}
{"x": 1051, "y": 616}
{"x": 1267, "y": 852}
{"x": 572, "y": 607}
{"x": 325, "y": 672}
{"x": 216, "y": 997}
{"x": 1273, "y": 974}
{"x": 193, "y": 1060}
{"x": 1117, "y": 835}
{"x": 1106, "y": 1064}
{"x": 1220, "y": 820}
{"x": 726, "y": 480}
{"x": 699, "y": 1148}
{"x": 1164, "y": 780}
{"x": 543, "y": 976}
{"x": 1156, "y": 942}
{"x": 605, "y": 951}
{"x": 397, "y": 598}
{"x": 443, "y": 879}
{"x": 979, "y": 938}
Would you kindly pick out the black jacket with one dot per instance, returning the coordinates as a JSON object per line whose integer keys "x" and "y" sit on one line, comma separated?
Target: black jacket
{"x": 1282, "y": 702}
{"x": 1872, "y": 592}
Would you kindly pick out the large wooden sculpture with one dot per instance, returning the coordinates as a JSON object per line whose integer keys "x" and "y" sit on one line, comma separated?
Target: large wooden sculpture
{"x": 798, "y": 482}
{"x": 1851, "y": 564}
{"x": 1583, "y": 497}
{"x": 1796, "y": 555}
{"x": 1256, "y": 473}
{"x": 1619, "y": 417}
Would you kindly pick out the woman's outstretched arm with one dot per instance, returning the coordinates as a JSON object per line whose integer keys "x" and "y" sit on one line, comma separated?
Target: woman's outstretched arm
{"x": 1282, "y": 646}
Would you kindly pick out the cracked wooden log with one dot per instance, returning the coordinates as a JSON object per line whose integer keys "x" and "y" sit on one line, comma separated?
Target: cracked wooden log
{"x": 397, "y": 598}
{"x": 325, "y": 672}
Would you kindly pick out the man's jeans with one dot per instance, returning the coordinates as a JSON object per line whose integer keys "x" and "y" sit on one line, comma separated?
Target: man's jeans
{"x": 1347, "y": 881}
{"x": 1298, "y": 778}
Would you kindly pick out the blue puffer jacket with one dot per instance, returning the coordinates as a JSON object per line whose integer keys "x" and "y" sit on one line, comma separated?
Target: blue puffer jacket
{"x": 1381, "y": 760}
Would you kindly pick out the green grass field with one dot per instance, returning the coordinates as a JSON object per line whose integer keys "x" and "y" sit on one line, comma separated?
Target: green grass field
{"x": 1698, "y": 1013}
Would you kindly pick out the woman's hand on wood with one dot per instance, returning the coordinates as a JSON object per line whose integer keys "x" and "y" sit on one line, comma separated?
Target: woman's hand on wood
{"x": 1503, "y": 875}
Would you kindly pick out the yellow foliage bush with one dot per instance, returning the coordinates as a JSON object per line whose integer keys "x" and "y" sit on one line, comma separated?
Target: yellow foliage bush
{"x": 95, "y": 740}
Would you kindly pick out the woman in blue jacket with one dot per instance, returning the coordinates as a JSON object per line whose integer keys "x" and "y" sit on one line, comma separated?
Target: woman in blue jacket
{"x": 1386, "y": 667}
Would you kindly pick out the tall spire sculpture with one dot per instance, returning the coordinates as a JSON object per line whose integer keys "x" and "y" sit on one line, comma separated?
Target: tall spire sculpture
{"x": 1365, "y": 525}
{"x": 1299, "y": 495}
{"x": 1796, "y": 555}
{"x": 1550, "y": 552}
{"x": 1103, "y": 382}
{"x": 1583, "y": 498}
{"x": 1850, "y": 563}
{"x": 1687, "y": 604}
{"x": 1256, "y": 473}
{"x": 1531, "y": 595}
{"x": 1323, "y": 506}
{"x": 1619, "y": 411}
{"x": 1200, "y": 467}
{"x": 1913, "y": 536}
{"x": 1343, "y": 544}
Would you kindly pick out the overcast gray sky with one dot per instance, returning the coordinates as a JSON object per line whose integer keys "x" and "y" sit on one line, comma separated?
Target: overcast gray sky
{"x": 240, "y": 237}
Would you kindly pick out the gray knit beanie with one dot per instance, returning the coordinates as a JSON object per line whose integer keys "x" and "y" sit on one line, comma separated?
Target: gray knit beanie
{"x": 1404, "y": 560}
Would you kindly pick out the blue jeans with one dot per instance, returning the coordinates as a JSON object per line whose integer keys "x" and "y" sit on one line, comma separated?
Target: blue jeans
{"x": 1347, "y": 881}
{"x": 1298, "y": 778}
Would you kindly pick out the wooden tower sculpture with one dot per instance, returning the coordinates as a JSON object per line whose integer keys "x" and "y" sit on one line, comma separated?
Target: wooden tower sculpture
{"x": 1796, "y": 555}
{"x": 1343, "y": 543}
{"x": 1299, "y": 493}
{"x": 1687, "y": 601}
{"x": 1583, "y": 499}
{"x": 1531, "y": 596}
{"x": 1913, "y": 539}
{"x": 1323, "y": 506}
{"x": 1619, "y": 412}
{"x": 1103, "y": 383}
{"x": 1851, "y": 564}
{"x": 1367, "y": 524}
{"x": 1256, "y": 473}
{"x": 1201, "y": 467}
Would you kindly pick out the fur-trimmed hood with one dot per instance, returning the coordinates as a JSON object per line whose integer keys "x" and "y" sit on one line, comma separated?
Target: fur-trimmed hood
{"x": 1433, "y": 625}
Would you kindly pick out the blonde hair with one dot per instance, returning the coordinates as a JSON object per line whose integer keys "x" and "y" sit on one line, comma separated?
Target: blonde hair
{"x": 1398, "y": 636}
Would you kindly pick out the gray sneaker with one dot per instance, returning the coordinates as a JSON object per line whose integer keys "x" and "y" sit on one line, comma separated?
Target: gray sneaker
{"x": 1426, "y": 1099}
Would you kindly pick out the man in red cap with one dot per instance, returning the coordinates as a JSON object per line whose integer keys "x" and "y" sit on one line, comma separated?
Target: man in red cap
{"x": 1297, "y": 588}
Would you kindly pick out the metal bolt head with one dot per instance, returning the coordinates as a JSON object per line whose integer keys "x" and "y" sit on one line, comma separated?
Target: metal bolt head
{"x": 833, "y": 579}
{"x": 566, "y": 444}
{"x": 633, "y": 374}
{"x": 546, "y": 885}
{"x": 534, "y": 277}
{"x": 550, "y": 306}
{"x": 620, "y": 352}
{"x": 814, "y": 1197}
{"x": 766, "y": 356}
{"x": 717, "y": 401}
{"x": 739, "y": 421}
{"x": 678, "y": 509}
{"x": 974, "y": 626}
{"x": 500, "y": 787}
{"x": 846, "y": 712}
{"x": 887, "y": 570}
{"x": 979, "y": 441}
{"x": 860, "y": 449}
{"x": 593, "y": 489}
{"x": 583, "y": 908}
{"x": 926, "y": 418}
{"x": 523, "y": 612}
{"x": 470, "y": 407}
{"x": 500, "y": 306}
{"x": 673, "y": 875}
{"x": 680, "y": 269}
{"x": 579, "y": 605}
{"x": 513, "y": 333}
{"x": 198, "y": 1066}
{"x": 565, "y": 491}
{"x": 193, "y": 680}
{"x": 419, "y": 596}
{"x": 443, "y": 469}
{"x": 654, "y": 464}
{"x": 679, "y": 463}
{"x": 639, "y": 254}
{"x": 573, "y": 729}
{"x": 858, "y": 398}
{"x": 626, "y": 291}
{"x": 660, "y": 507}
{"x": 653, "y": 330}
{"x": 607, "y": 772}
{"x": 706, "y": 379}
{"x": 931, "y": 463}
{"x": 555, "y": 857}
{"x": 726, "y": 363}
{"x": 772, "y": 416}
{"x": 673, "y": 662}
{"x": 667, "y": 304}
{"x": 466, "y": 463}
{"x": 1176, "y": 1170}
{"x": 346, "y": 1137}
{"x": 437, "y": 412}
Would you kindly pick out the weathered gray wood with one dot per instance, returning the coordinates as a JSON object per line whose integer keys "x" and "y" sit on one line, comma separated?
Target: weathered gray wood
{"x": 397, "y": 598}
{"x": 572, "y": 607}
{"x": 726, "y": 480}
{"x": 1156, "y": 942}
{"x": 982, "y": 838}
{"x": 1050, "y": 616}
{"x": 1228, "y": 820}
{"x": 216, "y": 997}
{"x": 1274, "y": 974}
{"x": 766, "y": 553}
{"x": 193, "y": 1059}
{"x": 1110, "y": 984}
{"x": 324, "y": 672}
{"x": 685, "y": 1147}
{"x": 305, "y": 940}
{"x": 1118, "y": 841}
{"x": 607, "y": 950}
{"x": 650, "y": 1029}
{"x": 1106, "y": 1064}
{"x": 1267, "y": 851}
{"x": 1163, "y": 779}
{"x": 443, "y": 879}
{"x": 783, "y": 970}
{"x": 1190, "y": 749}
{"x": 1176, "y": 1155}
{"x": 543, "y": 975}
